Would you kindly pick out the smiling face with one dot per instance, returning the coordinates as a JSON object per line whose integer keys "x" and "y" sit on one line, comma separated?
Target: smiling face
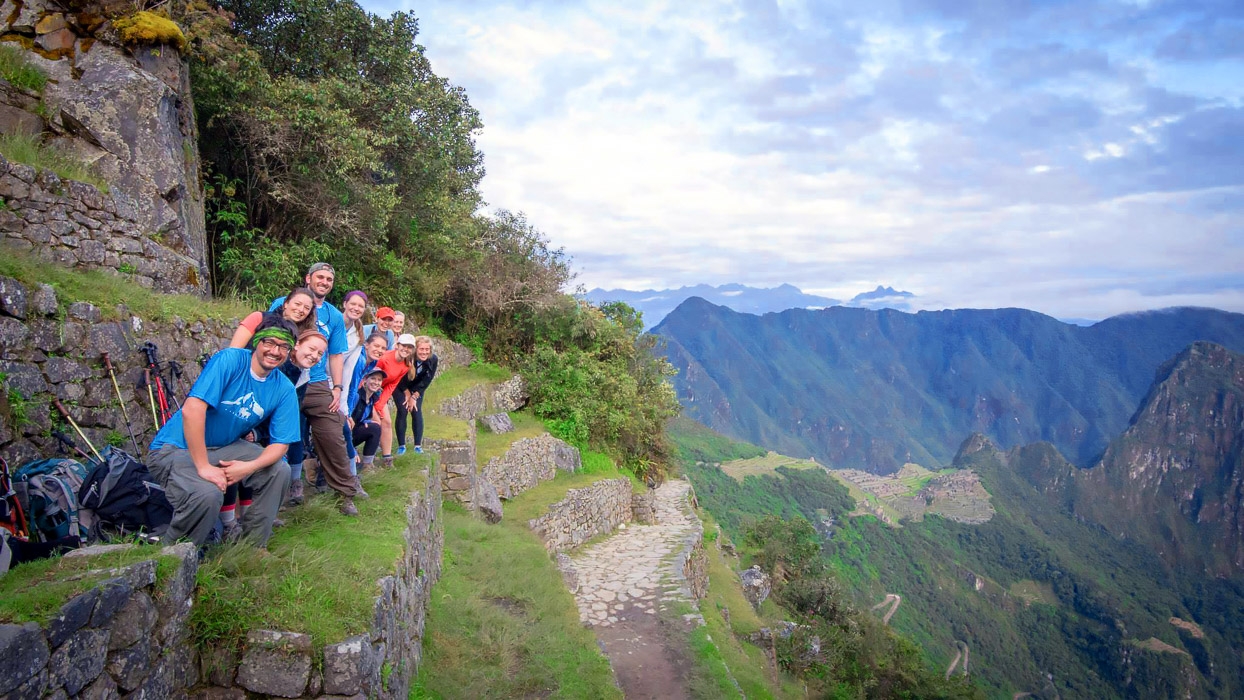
{"x": 404, "y": 351}
{"x": 309, "y": 351}
{"x": 384, "y": 324}
{"x": 374, "y": 382}
{"x": 270, "y": 353}
{"x": 354, "y": 308}
{"x": 375, "y": 348}
{"x": 298, "y": 307}
{"x": 399, "y": 322}
{"x": 423, "y": 351}
{"x": 321, "y": 282}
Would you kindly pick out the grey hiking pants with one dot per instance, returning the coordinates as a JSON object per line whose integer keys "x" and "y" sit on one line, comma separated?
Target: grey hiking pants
{"x": 196, "y": 502}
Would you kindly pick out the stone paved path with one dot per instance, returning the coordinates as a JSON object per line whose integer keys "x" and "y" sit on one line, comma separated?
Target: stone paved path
{"x": 638, "y": 565}
{"x": 626, "y": 583}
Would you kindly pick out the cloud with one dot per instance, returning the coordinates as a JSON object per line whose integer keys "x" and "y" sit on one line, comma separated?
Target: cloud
{"x": 1058, "y": 157}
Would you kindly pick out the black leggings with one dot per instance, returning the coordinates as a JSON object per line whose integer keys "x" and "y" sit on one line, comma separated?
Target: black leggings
{"x": 367, "y": 435}
{"x": 416, "y": 419}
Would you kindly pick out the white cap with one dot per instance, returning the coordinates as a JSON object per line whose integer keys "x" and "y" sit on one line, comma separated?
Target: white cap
{"x": 406, "y": 339}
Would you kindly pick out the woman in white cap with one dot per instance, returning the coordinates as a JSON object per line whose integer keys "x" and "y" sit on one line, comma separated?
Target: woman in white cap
{"x": 396, "y": 365}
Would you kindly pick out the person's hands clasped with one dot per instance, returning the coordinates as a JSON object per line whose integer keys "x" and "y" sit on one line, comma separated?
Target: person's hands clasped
{"x": 236, "y": 470}
{"x": 214, "y": 476}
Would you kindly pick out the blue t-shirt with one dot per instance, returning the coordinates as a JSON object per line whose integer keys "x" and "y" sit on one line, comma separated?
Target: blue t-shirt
{"x": 333, "y": 325}
{"x": 237, "y": 401}
{"x": 388, "y": 335}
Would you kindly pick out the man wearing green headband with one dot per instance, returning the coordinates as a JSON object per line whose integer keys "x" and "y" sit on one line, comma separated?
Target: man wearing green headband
{"x": 202, "y": 450}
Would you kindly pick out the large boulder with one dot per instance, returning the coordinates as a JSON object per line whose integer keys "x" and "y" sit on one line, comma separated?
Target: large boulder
{"x": 756, "y": 586}
{"x": 488, "y": 501}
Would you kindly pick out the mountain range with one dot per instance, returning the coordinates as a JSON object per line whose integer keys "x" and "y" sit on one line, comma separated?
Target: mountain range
{"x": 655, "y": 304}
{"x": 874, "y": 389}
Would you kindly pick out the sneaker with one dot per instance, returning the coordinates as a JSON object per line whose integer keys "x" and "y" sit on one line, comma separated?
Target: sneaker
{"x": 401, "y": 449}
{"x": 418, "y": 449}
{"x": 347, "y": 507}
{"x": 231, "y": 532}
{"x": 296, "y": 494}
{"x": 358, "y": 490}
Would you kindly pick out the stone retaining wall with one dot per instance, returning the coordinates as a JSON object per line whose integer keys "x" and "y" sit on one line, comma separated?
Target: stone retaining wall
{"x": 76, "y": 225}
{"x": 528, "y": 462}
{"x": 47, "y": 351}
{"x": 126, "y": 636}
{"x": 458, "y": 471}
{"x": 510, "y": 395}
{"x": 644, "y": 507}
{"x": 465, "y": 406}
{"x": 129, "y": 637}
{"x": 583, "y": 514}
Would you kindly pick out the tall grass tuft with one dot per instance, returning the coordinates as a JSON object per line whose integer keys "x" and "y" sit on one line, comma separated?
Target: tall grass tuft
{"x": 30, "y": 150}
{"x": 17, "y": 70}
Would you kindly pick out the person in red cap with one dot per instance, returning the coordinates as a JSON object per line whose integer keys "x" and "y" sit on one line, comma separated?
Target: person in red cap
{"x": 383, "y": 324}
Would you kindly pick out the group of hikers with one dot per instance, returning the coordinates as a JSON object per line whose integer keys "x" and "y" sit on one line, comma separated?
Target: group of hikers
{"x": 302, "y": 388}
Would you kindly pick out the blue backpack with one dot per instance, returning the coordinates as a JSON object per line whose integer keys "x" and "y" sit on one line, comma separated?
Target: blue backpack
{"x": 48, "y": 489}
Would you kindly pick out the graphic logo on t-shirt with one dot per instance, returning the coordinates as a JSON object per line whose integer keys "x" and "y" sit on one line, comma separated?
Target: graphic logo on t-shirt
{"x": 245, "y": 406}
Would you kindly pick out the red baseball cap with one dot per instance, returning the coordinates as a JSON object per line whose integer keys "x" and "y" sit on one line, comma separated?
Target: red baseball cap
{"x": 385, "y": 313}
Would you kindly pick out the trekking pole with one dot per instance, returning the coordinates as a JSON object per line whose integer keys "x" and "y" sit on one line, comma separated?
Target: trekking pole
{"x": 65, "y": 412}
{"x": 124, "y": 412}
{"x": 155, "y": 419}
{"x": 66, "y": 441}
{"x": 174, "y": 371}
{"x": 9, "y": 494}
{"x": 180, "y": 375}
{"x": 153, "y": 363}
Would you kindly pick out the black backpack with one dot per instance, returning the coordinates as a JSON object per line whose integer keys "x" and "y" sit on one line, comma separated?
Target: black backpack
{"x": 121, "y": 497}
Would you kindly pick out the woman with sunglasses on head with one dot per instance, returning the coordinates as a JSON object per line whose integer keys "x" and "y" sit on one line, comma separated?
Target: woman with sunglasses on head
{"x": 298, "y": 308}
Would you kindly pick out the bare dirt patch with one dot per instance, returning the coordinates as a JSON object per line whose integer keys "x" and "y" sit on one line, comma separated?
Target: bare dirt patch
{"x": 648, "y": 653}
{"x": 1191, "y": 628}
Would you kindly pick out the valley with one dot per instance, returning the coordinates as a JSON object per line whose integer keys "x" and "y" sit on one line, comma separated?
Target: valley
{"x": 1113, "y": 580}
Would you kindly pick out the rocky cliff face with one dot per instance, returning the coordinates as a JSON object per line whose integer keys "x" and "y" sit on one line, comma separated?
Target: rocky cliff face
{"x": 1175, "y": 478}
{"x": 124, "y": 110}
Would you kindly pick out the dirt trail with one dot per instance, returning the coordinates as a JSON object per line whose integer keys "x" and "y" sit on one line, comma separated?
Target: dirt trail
{"x": 626, "y": 587}
{"x": 961, "y": 653}
{"x": 893, "y": 600}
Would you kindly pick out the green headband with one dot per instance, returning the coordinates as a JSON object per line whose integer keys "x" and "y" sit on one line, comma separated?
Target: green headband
{"x": 276, "y": 334}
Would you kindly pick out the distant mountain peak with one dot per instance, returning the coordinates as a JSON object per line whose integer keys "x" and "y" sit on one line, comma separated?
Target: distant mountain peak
{"x": 656, "y": 304}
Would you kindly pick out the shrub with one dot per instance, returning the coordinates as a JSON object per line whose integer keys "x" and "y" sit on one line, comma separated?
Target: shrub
{"x": 17, "y": 70}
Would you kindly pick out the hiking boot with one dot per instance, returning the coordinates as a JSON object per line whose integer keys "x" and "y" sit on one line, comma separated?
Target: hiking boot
{"x": 295, "y": 493}
{"x": 347, "y": 507}
{"x": 277, "y": 522}
{"x": 311, "y": 469}
{"x": 358, "y": 490}
{"x": 386, "y": 461}
{"x": 231, "y": 532}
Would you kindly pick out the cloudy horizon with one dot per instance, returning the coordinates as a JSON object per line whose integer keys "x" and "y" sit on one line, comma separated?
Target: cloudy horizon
{"x": 1078, "y": 159}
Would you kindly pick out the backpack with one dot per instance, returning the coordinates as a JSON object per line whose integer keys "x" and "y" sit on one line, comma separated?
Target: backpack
{"x": 12, "y": 515}
{"x": 121, "y": 497}
{"x": 48, "y": 490}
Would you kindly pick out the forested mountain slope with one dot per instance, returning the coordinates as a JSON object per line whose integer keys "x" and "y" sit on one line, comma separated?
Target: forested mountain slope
{"x": 875, "y": 389}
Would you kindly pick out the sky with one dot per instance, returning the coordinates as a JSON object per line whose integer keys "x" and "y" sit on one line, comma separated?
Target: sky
{"x": 1078, "y": 158}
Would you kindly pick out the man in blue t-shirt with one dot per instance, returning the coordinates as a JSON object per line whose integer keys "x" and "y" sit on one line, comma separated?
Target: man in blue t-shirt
{"x": 202, "y": 449}
{"x": 324, "y": 392}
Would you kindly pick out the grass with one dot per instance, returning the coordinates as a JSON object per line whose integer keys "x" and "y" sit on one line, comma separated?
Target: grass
{"x": 502, "y": 623}
{"x": 107, "y": 290}
{"x": 318, "y": 575}
{"x": 535, "y": 502}
{"x": 449, "y": 383}
{"x": 767, "y": 464}
{"x": 1031, "y": 591}
{"x": 17, "y": 70}
{"x": 35, "y": 591}
{"x": 30, "y": 150}
{"x": 489, "y": 445}
{"x": 747, "y": 662}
